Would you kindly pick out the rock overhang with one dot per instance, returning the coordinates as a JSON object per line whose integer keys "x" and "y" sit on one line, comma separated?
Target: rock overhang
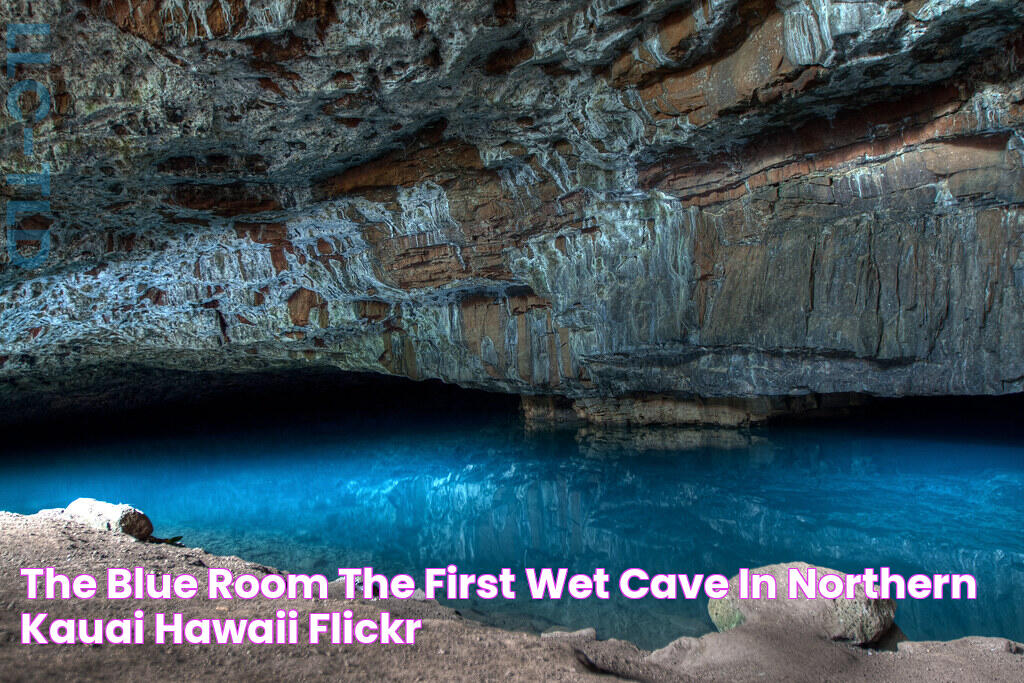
{"x": 739, "y": 201}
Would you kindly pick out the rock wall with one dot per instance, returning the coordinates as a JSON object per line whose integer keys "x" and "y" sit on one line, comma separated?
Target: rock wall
{"x": 725, "y": 202}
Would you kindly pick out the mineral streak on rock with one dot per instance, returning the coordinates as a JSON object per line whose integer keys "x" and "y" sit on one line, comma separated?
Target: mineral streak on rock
{"x": 727, "y": 204}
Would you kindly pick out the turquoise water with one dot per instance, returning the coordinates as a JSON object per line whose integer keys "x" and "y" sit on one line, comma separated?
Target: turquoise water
{"x": 485, "y": 494}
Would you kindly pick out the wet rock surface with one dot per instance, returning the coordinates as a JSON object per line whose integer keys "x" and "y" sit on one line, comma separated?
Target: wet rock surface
{"x": 591, "y": 199}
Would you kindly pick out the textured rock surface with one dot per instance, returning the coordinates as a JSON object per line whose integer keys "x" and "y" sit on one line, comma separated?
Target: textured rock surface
{"x": 859, "y": 621}
{"x": 733, "y": 199}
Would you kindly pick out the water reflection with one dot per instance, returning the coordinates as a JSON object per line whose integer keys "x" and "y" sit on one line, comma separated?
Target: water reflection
{"x": 487, "y": 496}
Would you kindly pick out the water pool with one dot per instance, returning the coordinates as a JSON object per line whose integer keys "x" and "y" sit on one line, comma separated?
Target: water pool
{"x": 485, "y": 494}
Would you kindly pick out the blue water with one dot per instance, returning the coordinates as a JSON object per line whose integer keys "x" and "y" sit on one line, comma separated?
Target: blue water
{"x": 485, "y": 494}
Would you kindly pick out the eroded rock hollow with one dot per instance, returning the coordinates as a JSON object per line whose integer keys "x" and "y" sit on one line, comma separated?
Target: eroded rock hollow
{"x": 653, "y": 211}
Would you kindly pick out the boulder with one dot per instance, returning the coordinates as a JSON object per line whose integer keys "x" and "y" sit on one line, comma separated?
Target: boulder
{"x": 110, "y": 517}
{"x": 860, "y": 620}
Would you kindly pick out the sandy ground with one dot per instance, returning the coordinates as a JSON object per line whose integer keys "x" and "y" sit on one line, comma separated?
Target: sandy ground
{"x": 447, "y": 647}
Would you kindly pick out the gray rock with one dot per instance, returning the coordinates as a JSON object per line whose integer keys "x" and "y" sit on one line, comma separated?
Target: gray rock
{"x": 560, "y": 634}
{"x": 860, "y": 620}
{"x": 100, "y": 515}
{"x": 979, "y": 643}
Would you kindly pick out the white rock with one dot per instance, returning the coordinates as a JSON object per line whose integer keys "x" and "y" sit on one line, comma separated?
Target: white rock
{"x": 110, "y": 517}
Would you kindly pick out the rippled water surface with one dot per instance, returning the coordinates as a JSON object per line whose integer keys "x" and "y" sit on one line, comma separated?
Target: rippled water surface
{"x": 485, "y": 494}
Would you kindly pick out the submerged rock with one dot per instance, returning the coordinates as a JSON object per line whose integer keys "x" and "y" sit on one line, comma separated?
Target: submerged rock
{"x": 110, "y": 517}
{"x": 860, "y": 620}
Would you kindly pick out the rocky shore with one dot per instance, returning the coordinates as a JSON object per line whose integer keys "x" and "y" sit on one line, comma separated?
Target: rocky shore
{"x": 787, "y": 641}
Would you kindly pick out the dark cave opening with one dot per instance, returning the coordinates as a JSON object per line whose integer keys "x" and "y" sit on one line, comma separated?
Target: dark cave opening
{"x": 144, "y": 402}
{"x": 950, "y": 419}
{"x": 138, "y": 402}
